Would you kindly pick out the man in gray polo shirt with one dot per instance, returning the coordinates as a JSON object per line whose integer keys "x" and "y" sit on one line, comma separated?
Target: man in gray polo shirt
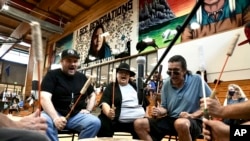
{"x": 180, "y": 102}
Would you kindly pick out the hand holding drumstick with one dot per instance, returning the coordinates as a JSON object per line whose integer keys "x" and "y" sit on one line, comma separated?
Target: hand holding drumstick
{"x": 83, "y": 90}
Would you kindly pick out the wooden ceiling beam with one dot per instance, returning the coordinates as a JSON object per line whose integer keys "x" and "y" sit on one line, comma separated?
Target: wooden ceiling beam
{"x": 52, "y": 6}
{"x": 23, "y": 48}
{"x": 80, "y": 4}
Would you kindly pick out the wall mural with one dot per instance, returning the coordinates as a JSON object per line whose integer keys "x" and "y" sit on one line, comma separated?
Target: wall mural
{"x": 214, "y": 54}
{"x": 64, "y": 43}
{"x": 159, "y": 19}
{"x": 116, "y": 33}
{"x": 107, "y": 38}
{"x": 162, "y": 27}
{"x": 215, "y": 17}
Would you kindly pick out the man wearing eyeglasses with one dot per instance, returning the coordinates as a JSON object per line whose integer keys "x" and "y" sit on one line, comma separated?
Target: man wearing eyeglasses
{"x": 180, "y": 102}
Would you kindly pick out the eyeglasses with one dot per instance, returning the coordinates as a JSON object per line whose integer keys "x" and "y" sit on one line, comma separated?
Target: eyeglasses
{"x": 175, "y": 72}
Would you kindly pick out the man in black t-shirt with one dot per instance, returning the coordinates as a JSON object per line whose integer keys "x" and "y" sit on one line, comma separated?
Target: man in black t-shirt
{"x": 60, "y": 90}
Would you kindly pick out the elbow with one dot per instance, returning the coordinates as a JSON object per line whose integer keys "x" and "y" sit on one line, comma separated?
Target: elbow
{"x": 45, "y": 96}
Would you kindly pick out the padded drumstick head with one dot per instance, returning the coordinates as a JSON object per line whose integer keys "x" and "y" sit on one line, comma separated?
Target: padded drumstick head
{"x": 202, "y": 59}
{"x": 86, "y": 85}
{"x": 37, "y": 41}
{"x": 232, "y": 45}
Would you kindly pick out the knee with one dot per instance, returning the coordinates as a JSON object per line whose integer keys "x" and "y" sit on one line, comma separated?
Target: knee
{"x": 137, "y": 123}
{"x": 182, "y": 124}
{"x": 96, "y": 122}
{"x": 140, "y": 123}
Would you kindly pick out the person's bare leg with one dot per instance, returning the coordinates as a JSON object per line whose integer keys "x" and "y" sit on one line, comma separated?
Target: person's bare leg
{"x": 142, "y": 129}
{"x": 182, "y": 127}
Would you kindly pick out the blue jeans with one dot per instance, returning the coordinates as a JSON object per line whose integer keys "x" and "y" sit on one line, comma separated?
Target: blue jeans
{"x": 87, "y": 125}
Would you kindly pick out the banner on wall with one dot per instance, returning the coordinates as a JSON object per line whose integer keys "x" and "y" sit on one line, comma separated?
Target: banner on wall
{"x": 109, "y": 37}
{"x": 224, "y": 15}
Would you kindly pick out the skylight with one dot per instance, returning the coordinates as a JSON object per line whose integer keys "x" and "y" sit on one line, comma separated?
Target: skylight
{"x": 16, "y": 57}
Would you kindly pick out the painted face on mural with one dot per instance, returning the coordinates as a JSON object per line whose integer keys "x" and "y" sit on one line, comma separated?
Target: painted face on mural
{"x": 98, "y": 40}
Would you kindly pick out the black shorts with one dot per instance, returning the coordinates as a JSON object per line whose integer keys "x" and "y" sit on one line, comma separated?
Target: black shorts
{"x": 165, "y": 126}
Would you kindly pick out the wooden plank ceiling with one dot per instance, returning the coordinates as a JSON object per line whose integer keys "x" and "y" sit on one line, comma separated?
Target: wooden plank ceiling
{"x": 66, "y": 14}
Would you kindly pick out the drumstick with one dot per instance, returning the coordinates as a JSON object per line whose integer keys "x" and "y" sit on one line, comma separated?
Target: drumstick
{"x": 159, "y": 78}
{"x": 38, "y": 55}
{"x": 202, "y": 70}
{"x": 158, "y": 85}
{"x": 157, "y": 88}
{"x": 82, "y": 92}
{"x": 229, "y": 53}
{"x": 113, "y": 94}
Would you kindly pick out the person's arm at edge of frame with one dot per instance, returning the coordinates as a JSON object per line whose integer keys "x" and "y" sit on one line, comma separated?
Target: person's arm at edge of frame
{"x": 7, "y": 122}
{"x": 230, "y": 111}
{"x": 236, "y": 111}
{"x": 30, "y": 122}
{"x": 219, "y": 130}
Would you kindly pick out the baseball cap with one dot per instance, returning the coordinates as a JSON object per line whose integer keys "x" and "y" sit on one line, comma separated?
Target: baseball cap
{"x": 247, "y": 33}
{"x": 70, "y": 53}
